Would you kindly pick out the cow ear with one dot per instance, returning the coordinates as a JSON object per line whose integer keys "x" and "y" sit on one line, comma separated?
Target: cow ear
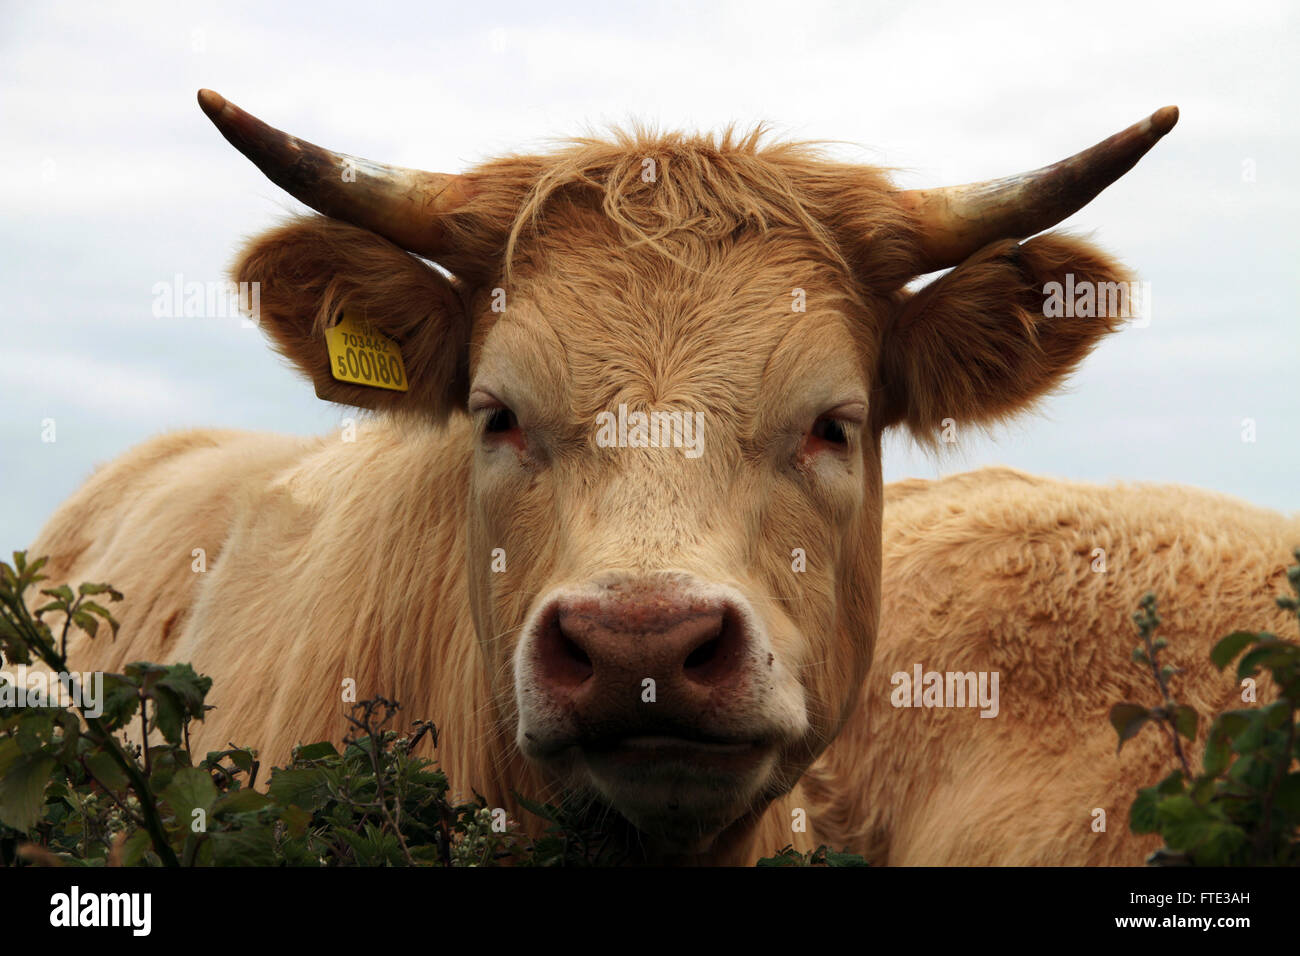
{"x": 994, "y": 335}
{"x": 312, "y": 270}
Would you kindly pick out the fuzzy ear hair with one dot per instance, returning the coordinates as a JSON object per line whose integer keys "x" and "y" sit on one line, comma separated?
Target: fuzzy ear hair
{"x": 993, "y": 336}
{"x": 313, "y": 268}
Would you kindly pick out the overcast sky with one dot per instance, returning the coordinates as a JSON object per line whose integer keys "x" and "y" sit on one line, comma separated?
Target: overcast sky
{"x": 112, "y": 180}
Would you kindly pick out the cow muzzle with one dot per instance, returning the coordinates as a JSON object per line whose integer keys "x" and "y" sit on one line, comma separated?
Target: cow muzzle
{"x": 662, "y": 694}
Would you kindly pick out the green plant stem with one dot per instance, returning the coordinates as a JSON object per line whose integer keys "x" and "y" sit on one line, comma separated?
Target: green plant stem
{"x": 1170, "y": 703}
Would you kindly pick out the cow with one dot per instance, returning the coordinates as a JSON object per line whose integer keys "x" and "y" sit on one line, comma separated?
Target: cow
{"x": 679, "y": 638}
{"x": 1036, "y": 579}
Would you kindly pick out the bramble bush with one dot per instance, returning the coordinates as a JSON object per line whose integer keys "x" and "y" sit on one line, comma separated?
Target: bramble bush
{"x": 1243, "y": 808}
{"x": 74, "y": 791}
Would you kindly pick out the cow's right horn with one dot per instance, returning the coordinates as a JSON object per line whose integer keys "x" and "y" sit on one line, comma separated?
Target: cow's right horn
{"x": 402, "y": 205}
{"x": 956, "y": 221}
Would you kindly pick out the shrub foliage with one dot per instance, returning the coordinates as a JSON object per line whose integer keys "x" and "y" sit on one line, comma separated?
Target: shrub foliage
{"x": 75, "y": 791}
{"x": 1243, "y": 806}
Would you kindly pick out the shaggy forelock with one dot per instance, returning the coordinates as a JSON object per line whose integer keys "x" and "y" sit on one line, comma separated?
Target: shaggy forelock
{"x": 704, "y": 188}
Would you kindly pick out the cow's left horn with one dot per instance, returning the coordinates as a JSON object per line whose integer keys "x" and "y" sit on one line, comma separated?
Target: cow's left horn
{"x": 402, "y": 205}
{"x": 955, "y": 221}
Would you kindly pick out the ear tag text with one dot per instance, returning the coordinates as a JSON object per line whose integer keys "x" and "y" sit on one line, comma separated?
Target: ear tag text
{"x": 361, "y": 354}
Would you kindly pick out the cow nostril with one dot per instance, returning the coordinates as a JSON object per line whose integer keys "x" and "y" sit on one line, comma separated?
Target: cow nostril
{"x": 718, "y": 659}
{"x": 563, "y": 660}
{"x": 575, "y": 653}
{"x": 703, "y": 654}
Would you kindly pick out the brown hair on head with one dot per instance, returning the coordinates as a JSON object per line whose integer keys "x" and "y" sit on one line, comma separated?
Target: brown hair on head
{"x": 674, "y": 190}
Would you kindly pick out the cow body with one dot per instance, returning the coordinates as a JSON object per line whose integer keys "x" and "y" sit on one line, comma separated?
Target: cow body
{"x": 996, "y": 570}
{"x": 670, "y": 634}
{"x": 987, "y": 571}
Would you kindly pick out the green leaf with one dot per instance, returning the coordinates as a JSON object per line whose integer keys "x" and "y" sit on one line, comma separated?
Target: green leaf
{"x": 135, "y": 847}
{"x": 1181, "y": 821}
{"x": 88, "y": 588}
{"x": 168, "y": 714}
{"x": 189, "y": 687}
{"x": 789, "y": 856}
{"x": 241, "y": 801}
{"x": 1171, "y": 785}
{"x": 296, "y": 820}
{"x": 90, "y": 607}
{"x": 121, "y": 700}
{"x": 298, "y": 788}
{"x": 1185, "y": 720}
{"x": 844, "y": 858}
{"x": 190, "y": 789}
{"x": 1251, "y": 771}
{"x": 372, "y": 848}
{"x": 1232, "y": 722}
{"x": 1227, "y": 649}
{"x": 243, "y": 759}
{"x": 106, "y": 771}
{"x": 1127, "y": 719}
{"x": 317, "y": 751}
{"x": 22, "y": 785}
{"x": 1203, "y": 789}
{"x": 1217, "y": 751}
{"x": 251, "y": 846}
{"x": 86, "y": 622}
{"x": 544, "y": 810}
{"x": 1277, "y": 714}
{"x": 1216, "y": 842}
{"x": 1265, "y": 655}
{"x": 1260, "y": 723}
{"x": 1142, "y": 815}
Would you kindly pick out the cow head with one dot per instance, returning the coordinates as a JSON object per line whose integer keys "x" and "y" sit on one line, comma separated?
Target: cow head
{"x": 670, "y": 361}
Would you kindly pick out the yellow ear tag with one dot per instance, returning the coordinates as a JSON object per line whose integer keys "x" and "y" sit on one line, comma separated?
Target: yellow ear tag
{"x": 361, "y": 354}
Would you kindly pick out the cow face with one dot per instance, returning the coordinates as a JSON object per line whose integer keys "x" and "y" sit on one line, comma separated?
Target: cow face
{"x": 676, "y": 469}
{"x": 670, "y": 393}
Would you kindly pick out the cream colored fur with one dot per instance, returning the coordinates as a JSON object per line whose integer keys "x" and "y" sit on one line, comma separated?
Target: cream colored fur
{"x": 762, "y": 287}
{"x": 994, "y": 570}
{"x": 986, "y": 570}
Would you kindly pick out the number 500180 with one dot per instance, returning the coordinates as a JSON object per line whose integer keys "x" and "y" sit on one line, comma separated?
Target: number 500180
{"x": 371, "y": 367}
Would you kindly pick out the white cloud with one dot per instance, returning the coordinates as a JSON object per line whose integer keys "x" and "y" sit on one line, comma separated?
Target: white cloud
{"x": 111, "y": 178}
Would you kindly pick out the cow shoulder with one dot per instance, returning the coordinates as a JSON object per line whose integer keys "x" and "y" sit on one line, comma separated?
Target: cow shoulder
{"x": 150, "y": 523}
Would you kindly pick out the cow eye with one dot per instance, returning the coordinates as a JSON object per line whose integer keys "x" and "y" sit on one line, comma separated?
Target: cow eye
{"x": 501, "y": 420}
{"x": 829, "y": 430}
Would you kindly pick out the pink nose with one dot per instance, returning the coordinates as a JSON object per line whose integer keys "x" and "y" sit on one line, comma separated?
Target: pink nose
{"x": 595, "y": 654}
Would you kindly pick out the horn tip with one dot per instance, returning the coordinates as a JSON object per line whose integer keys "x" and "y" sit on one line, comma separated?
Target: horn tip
{"x": 1163, "y": 119}
{"x": 211, "y": 102}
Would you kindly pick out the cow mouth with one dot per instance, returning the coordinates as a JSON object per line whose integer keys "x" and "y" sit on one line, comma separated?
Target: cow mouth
{"x": 684, "y": 753}
{"x": 681, "y": 790}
